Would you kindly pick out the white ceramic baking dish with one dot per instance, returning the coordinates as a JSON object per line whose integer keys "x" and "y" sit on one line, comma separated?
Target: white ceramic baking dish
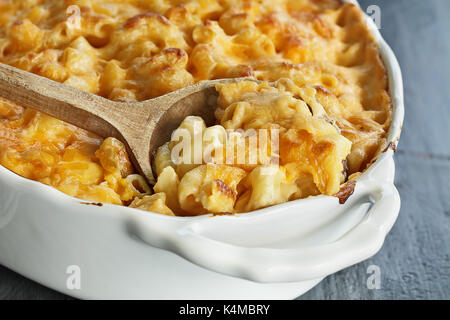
{"x": 274, "y": 253}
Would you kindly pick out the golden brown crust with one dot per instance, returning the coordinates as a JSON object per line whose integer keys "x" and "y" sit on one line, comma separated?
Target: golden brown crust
{"x": 134, "y": 21}
{"x": 223, "y": 188}
{"x": 391, "y": 146}
{"x": 323, "y": 90}
{"x": 98, "y": 204}
{"x": 346, "y": 191}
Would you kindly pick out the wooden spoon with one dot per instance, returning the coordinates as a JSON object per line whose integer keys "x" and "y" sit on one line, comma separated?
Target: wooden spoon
{"x": 142, "y": 126}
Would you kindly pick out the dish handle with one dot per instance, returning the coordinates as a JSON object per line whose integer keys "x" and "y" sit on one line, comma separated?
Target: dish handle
{"x": 270, "y": 265}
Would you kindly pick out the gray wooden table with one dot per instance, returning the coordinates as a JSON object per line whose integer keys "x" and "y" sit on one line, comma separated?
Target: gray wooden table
{"x": 415, "y": 259}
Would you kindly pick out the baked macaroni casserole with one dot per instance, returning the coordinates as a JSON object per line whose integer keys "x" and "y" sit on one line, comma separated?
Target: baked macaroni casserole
{"x": 323, "y": 94}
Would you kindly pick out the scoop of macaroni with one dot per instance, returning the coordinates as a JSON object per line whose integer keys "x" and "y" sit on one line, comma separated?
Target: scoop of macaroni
{"x": 269, "y": 147}
{"x": 332, "y": 114}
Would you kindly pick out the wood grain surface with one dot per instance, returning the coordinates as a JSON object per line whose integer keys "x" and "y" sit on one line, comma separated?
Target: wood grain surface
{"x": 415, "y": 259}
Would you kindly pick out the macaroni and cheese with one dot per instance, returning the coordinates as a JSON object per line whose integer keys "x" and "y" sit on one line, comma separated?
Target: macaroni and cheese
{"x": 329, "y": 100}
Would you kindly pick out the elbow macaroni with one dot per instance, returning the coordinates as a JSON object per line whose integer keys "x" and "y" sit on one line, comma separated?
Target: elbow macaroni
{"x": 334, "y": 108}
{"x": 311, "y": 152}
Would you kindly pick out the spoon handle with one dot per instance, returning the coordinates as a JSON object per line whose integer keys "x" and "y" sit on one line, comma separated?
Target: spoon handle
{"x": 63, "y": 102}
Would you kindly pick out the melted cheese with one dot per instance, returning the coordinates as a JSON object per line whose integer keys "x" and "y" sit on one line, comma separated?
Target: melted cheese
{"x": 132, "y": 50}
